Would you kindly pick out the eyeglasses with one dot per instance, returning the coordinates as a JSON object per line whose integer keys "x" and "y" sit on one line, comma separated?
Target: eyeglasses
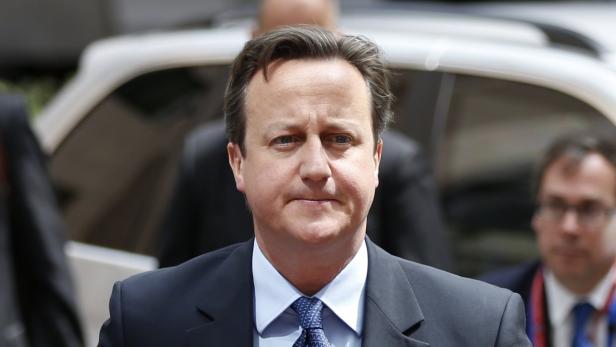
{"x": 589, "y": 215}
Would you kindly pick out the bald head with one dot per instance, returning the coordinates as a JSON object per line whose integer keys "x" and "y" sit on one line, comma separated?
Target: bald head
{"x": 276, "y": 13}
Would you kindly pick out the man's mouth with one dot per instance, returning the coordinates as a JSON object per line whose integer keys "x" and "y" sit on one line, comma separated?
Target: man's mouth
{"x": 570, "y": 253}
{"x": 314, "y": 201}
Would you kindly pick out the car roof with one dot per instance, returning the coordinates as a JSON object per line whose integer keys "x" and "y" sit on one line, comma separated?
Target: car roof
{"x": 590, "y": 23}
{"x": 425, "y": 41}
{"x": 458, "y": 25}
{"x": 417, "y": 18}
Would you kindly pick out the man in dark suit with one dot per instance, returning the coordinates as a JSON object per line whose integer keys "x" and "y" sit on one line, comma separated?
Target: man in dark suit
{"x": 405, "y": 217}
{"x": 37, "y": 306}
{"x": 304, "y": 110}
{"x": 569, "y": 294}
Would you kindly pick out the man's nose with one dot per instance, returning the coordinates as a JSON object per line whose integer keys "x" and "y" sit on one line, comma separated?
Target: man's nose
{"x": 314, "y": 161}
{"x": 570, "y": 221}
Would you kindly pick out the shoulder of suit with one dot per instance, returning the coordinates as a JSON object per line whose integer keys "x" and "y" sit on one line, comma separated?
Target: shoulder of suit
{"x": 429, "y": 282}
{"x": 205, "y": 149}
{"x": 399, "y": 142}
{"x": 13, "y": 112}
{"x": 198, "y": 268}
{"x": 516, "y": 278}
{"x": 212, "y": 132}
{"x": 206, "y": 140}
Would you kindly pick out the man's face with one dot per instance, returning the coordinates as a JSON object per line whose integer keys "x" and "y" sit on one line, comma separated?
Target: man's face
{"x": 579, "y": 250}
{"x": 310, "y": 168}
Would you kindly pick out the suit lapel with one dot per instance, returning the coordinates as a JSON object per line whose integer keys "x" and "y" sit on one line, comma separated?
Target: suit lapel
{"x": 391, "y": 306}
{"x": 227, "y": 303}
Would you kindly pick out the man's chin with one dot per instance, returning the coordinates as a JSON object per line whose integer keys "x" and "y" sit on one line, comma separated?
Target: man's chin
{"x": 569, "y": 271}
{"x": 318, "y": 232}
{"x": 312, "y": 208}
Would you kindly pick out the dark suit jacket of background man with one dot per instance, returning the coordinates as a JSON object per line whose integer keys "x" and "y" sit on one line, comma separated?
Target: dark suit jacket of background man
{"x": 207, "y": 212}
{"x": 208, "y": 301}
{"x": 36, "y": 292}
{"x": 519, "y": 279}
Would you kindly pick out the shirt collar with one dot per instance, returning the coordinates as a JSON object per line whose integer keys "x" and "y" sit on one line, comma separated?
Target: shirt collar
{"x": 344, "y": 295}
{"x": 561, "y": 300}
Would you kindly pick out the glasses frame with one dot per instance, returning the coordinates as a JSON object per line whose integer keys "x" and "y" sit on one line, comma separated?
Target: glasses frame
{"x": 555, "y": 212}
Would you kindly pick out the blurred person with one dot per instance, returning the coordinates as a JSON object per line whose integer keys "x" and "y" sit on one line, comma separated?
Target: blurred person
{"x": 305, "y": 109}
{"x": 37, "y": 300}
{"x": 206, "y": 212}
{"x": 569, "y": 293}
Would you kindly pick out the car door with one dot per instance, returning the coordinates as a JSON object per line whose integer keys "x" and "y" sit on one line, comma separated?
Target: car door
{"x": 114, "y": 171}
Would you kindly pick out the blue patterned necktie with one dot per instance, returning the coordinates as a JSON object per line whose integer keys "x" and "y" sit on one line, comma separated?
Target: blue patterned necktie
{"x": 581, "y": 313}
{"x": 309, "y": 313}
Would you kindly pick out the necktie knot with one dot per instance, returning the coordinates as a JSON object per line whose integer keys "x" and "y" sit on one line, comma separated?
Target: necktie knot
{"x": 309, "y": 312}
{"x": 581, "y": 313}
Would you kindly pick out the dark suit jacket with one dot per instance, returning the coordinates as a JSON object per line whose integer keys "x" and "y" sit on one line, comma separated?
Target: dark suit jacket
{"x": 208, "y": 301}
{"x": 516, "y": 278}
{"x": 519, "y": 279}
{"x": 405, "y": 217}
{"x": 37, "y": 306}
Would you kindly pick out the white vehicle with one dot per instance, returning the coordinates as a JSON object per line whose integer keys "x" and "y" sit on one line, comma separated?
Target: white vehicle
{"x": 483, "y": 95}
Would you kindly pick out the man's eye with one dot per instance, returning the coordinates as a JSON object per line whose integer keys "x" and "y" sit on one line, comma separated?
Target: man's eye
{"x": 556, "y": 206}
{"x": 342, "y": 139}
{"x": 284, "y": 140}
{"x": 591, "y": 209}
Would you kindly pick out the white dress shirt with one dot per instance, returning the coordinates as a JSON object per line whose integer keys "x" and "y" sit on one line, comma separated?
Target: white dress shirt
{"x": 561, "y": 302}
{"x": 277, "y": 324}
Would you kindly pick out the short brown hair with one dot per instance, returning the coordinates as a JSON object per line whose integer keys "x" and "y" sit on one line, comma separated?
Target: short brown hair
{"x": 575, "y": 147}
{"x": 306, "y": 42}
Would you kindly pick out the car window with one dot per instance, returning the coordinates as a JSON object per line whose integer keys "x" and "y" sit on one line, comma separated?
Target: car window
{"x": 495, "y": 131}
{"x": 114, "y": 172}
{"x": 416, "y": 96}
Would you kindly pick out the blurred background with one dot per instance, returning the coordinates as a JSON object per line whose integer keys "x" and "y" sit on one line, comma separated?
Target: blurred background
{"x": 113, "y": 87}
{"x": 41, "y": 41}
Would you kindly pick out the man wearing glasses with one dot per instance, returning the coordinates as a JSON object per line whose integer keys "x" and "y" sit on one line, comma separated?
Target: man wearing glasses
{"x": 569, "y": 293}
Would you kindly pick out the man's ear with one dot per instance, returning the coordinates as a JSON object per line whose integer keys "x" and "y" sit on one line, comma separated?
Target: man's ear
{"x": 236, "y": 162}
{"x": 536, "y": 223}
{"x": 377, "y": 160}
